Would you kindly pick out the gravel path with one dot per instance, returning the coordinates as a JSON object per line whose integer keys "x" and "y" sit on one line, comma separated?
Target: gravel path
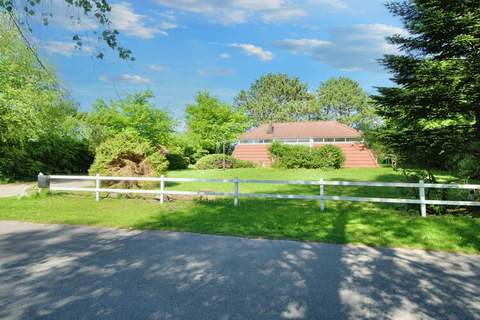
{"x": 66, "y": 272}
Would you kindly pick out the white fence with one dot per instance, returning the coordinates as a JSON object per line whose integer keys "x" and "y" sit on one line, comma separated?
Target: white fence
{"x": 44, "y": 181}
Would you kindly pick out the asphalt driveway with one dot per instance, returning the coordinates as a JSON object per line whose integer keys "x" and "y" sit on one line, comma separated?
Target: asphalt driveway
{"x": 20, "y": 189}
{"x": 64, "y": 272}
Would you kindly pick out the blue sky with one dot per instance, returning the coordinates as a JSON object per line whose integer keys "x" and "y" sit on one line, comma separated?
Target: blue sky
{"x": 183, "y": 46}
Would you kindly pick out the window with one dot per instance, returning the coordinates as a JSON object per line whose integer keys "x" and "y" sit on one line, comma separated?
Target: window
{"x": 329, "y": 139}
{"x": 318, "y": 140}
{"x": 290, "y": 141}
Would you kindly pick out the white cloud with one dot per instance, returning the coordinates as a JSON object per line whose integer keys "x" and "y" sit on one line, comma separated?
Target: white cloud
{"x": 224, "y": 56}
{"x": 66, "y": 49}
{"x": 134, "y": 79}
{"x": 333, "y": 4}
{"x": 122, "y": 16}
{"x": 125, "y": 20}
{"x": 67, "y": 17}
{"x": 125, "y": 78}
{"x": 355, "y": 48}
{"x": 252, "y": 50}
{"x": 168, "y": 25}
{"x": 302, "y": 45}
{"x": 239, "y": 11}
{"x": 283, "y": 15}
{"x": 157, "y": 68}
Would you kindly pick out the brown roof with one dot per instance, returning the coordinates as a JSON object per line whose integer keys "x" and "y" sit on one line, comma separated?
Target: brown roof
{"x": 293, "y": 130}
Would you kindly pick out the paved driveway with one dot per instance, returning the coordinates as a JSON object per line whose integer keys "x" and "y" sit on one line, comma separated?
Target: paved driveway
{"x": 14, "y": 189}
{"x": 61, "y": 272}
{"x": 20, "y": 189}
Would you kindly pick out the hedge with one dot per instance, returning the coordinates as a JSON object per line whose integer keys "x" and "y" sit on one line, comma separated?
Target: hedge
{"x": 295, "y": 156}
{"x": 215, "y": 161}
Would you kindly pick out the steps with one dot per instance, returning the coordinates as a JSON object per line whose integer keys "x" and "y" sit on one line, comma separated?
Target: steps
{"x": 356, "y": 155}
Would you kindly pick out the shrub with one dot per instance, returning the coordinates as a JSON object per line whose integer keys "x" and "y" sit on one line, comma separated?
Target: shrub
{"x": 215, "y": 161}
{"x": 294, "y": 157}
{"x": 327, "y": 156}
{"x": 127, "y": 154}
{"x": 243, "y": 164}
{"x": 177, "y": 161}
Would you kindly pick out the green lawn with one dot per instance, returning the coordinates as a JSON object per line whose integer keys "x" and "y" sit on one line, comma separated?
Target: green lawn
{"x": 342, "y": 222}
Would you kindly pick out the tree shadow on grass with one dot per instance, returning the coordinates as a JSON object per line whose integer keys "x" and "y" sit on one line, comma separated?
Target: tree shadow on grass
{"x": 370, "y": 224}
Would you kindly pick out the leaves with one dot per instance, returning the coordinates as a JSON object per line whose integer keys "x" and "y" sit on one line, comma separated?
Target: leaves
{"x": 96, "y": 9}
{"x": 211, "y": 122}
{"x": 343, "y": 100}
{"x": 432, "y": 115}
{"x": 38, "y": 128}
{"x": 275, "y": 97}
{"x": 134, "y": 112}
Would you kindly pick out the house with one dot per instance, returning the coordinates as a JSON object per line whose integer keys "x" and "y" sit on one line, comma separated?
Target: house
{"x": 253, "y": 145}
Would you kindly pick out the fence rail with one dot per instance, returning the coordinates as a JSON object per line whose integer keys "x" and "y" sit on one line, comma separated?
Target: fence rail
{"x": 44, "y": 182}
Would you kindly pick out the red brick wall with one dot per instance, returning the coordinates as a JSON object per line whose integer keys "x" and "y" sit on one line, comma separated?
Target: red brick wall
{"x": 357, "y": 155}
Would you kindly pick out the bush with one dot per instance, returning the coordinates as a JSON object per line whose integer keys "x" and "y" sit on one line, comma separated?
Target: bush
{"x": 177, "y": 161}
{"x": 126, "y": 154}
{"x": 294, "y": 156}
{"x": 215, "y": 161}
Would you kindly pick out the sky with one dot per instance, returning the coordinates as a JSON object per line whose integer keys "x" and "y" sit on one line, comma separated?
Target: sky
{"x": 185, "y": 46}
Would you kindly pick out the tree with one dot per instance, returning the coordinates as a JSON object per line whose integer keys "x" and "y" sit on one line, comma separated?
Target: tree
{"x": 343, "y": 100}
{"x": 38, "y": 127}
{"x": 97, "y": 10}
{"x": 275, "y": 97}
{"x": 134, "y": 112}
{"x": 432, "y": 115}
{"x": 127, "y": 153}
{"x": 212, "y": 123}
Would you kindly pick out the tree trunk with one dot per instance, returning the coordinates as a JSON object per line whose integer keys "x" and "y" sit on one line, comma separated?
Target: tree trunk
{"x": 223, "y": 156}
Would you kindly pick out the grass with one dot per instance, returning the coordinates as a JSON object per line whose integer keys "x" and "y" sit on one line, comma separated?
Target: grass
{"x": 342, "y": 222}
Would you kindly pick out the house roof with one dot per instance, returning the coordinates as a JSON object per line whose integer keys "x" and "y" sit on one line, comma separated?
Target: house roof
{"x": 294, "y": 130}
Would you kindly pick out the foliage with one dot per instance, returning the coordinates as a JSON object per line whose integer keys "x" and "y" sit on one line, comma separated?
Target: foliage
{"x": 432, "y": 115}
{"x": 38, "y": 126}
{"x": 211, "y": 123}
{"x": 98, "y": 10}
{"x": 134, "y": 112}
{"x": 297, "y": 156}
{"x": 189, "y": 147}
{"x": 128, "y": 154}
{"x": 343, "y": 100}
{"x": 177, "y": 161}
{"x": 275, "y": 97}
{"x": 215, "y": 161}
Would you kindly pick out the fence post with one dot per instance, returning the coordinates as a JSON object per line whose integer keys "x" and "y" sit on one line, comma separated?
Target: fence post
{"x": 43, "y": 181}
{"x": 235, "y": 192}
{"x": 322, "y": 191}
{"x": 423, "y": 205}
{"x": 162, "y": 187}
{"x": 97, "y": 187}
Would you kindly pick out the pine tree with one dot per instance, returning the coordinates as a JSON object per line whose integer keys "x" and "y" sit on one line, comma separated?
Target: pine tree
{"x": 432, "y": 115}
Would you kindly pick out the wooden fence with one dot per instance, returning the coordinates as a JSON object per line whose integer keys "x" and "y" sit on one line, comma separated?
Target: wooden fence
{"x": 44, "y": 182}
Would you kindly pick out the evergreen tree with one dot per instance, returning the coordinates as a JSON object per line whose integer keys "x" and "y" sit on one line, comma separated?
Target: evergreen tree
{"x": 432, "y": 115}
{"x": 275, "y": 97}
